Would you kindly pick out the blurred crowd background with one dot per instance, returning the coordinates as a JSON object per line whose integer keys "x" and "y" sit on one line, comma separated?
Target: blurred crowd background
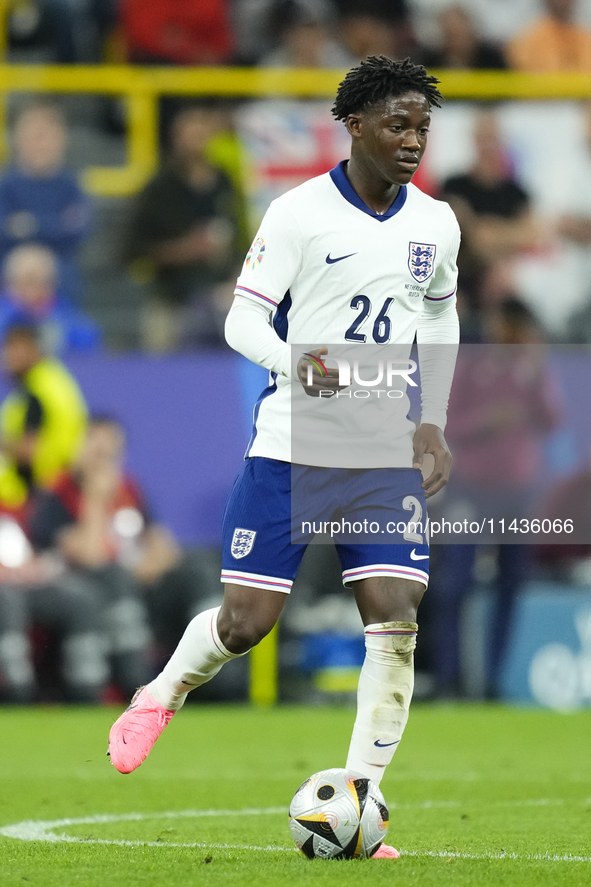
{"x": 124, "y": 412}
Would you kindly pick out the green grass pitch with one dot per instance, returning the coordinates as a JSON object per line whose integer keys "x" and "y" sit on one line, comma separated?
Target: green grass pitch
{"x": 478, "y": 796}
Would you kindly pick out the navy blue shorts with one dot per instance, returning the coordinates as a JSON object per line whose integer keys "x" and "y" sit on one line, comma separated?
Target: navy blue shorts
{"x": 376, "y": 517}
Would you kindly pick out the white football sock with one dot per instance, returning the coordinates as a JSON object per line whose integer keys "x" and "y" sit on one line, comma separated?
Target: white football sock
{"x": 197, "y": 659}
{"x": 383, "y": 696}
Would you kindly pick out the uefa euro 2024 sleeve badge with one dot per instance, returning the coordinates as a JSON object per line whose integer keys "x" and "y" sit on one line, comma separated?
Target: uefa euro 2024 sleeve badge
{"x": 421, "y": 260}
{"x": 242, "y": 542}
{"x": 255, "y": 254}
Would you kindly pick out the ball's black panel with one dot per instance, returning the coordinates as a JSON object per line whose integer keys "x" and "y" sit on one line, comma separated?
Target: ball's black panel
{"x": 308, "y": 847}
{"x": 325, "y": 792}
{"x": 384, "y": 812}
{"x": 320, "y": 828}
{"x": 349, "y": 850}
{"x": 361, "y": 787}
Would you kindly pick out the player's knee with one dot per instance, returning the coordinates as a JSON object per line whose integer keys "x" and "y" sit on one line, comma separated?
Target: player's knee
{"x": 240, "y": 634}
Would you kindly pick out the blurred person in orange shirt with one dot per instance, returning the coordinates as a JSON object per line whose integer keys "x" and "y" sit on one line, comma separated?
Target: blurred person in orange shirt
{"x": 552, "y": 43}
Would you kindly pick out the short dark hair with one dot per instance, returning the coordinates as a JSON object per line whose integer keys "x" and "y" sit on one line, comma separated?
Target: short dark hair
{"x": 378, "y": 78}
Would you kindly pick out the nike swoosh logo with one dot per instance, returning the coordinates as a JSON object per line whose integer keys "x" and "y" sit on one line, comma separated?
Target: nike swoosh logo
{"x": 385, "y": 744}
{"x": 330, "y": 261}
{"x": 188, "y": 684}
{"x": 418, "y": 557}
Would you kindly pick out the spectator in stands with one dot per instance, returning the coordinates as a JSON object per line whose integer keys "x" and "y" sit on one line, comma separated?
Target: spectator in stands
{"x": 177, "y": 32}
{"x": 97, "y": 519}
{"x": 496, "y": 22}
{"x": 30, "y": 296}
{"x": 42, "y": 421}
{"x": 375, "y": 27}
{"x": 304, "y": 33}
{"x": 502, "y": 405}
{"x": 552, "y": 43}
{"x": 40, "y": 200}
{"x": 493, "y": 210}
{"x": 94, "y": 519}
{"x": 253, "y": 38}
{"x": 41, "y": 428}
{"x": 36, "y": 592}
{"x": 460, "y": 45}
{"x": 573, "y": 227}
{"x": 569, "y": 499}
{"x": 72, "y": 30}
{"x": 185, "y": 228}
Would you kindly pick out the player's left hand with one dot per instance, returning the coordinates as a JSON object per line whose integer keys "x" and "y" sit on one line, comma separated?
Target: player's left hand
{"x": 430, "y": 439}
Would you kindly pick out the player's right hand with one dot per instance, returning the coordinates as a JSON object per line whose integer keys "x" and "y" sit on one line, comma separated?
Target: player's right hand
{"x": 324, "y": 379}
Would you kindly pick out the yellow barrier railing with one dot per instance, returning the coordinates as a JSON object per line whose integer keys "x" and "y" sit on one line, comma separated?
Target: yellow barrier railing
{"x": 264, "y": 677}
{"x": 142, "y": 88}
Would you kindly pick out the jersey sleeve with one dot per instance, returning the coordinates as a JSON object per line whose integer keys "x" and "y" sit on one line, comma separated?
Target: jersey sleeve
{"x": 444, "y": 282}
{"x": 438, "y": 335}
{"x": 249, "y": 331}
{"x": 274, "y": 259}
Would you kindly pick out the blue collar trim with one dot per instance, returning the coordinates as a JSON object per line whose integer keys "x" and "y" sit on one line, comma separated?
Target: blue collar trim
{"x": 339, "y": 177}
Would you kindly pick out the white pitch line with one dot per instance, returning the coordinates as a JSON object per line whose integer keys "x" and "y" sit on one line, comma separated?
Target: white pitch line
{"x": 39, "y": 830}
{"x": 527, "y": 857}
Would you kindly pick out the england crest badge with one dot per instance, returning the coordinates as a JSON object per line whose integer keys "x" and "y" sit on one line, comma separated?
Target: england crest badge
{"x": 242, "y": 542}
{"x": 421, "y": 260}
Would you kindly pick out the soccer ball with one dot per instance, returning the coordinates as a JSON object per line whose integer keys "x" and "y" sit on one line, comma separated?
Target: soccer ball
{"x": 338, "y": 814}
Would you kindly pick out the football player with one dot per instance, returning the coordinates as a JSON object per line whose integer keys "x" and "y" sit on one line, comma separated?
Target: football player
{"x": 356, "y": 256}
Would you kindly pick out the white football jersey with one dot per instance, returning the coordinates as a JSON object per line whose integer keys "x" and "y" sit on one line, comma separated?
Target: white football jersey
{"x": 334, "y": 271}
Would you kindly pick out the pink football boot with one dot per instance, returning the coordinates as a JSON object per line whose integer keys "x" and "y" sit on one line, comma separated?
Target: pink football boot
{"x": 135, "y": 732}
{"x": 384, "y": 851}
